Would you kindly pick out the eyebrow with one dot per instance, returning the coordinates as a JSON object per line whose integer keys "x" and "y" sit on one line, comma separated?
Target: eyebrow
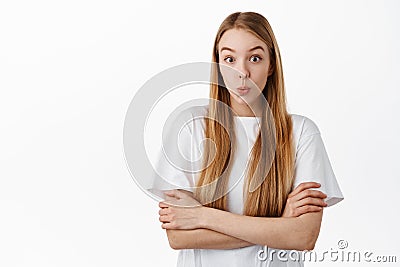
{"x": 251, "y": 49}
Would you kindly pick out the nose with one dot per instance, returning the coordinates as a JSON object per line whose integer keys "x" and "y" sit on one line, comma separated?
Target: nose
{"x": 243, "y": 70}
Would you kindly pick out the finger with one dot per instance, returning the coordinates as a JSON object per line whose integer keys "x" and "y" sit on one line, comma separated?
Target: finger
{"x": 309, "y": 193}
{"x": 171, "y": 198}
{"x": 306, "y": 209}
{"x": 163, "y": 204}
{"x": 171, "y": 201}
{"x": 304, "y": 186}
{"x": 164, "y": 219}
{"x": 163, "y": 211}
{"x": 167, "y": 226}
{"x": 175, "y": 193}
{"x": 310, "y": 201}
{"x": 171, "y": 193}
{"x": 168, "y": 203}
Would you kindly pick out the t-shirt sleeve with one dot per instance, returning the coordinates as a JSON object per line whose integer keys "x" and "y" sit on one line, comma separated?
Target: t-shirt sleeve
{"x": 173, "y": 168}
{"x": 312, "y": 163}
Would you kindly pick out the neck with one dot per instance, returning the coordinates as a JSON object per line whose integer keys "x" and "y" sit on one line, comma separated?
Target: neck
{"x": 244, "y": 110}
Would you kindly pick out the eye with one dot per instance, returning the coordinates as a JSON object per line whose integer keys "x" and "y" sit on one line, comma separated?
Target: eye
{"x": 255, "y": 59}
{"x": 228, "y": 59}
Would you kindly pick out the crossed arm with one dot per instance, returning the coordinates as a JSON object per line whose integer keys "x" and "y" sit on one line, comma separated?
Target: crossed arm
{"x": 203, "y": 238}
{"x": 208, "y": 228}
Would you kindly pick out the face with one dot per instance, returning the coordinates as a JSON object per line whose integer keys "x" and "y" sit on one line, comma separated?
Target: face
{"x": 245, "y": 66}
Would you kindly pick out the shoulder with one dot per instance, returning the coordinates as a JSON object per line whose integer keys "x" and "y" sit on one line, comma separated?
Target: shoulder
{"x": 193, "y": 118}
{"x": 303, "y": 127}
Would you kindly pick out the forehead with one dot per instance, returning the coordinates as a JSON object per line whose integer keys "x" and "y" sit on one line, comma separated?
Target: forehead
{"x": 240, "y": 40}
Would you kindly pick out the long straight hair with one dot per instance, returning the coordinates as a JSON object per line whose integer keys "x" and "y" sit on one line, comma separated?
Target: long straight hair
{"x": 269, "y": 199}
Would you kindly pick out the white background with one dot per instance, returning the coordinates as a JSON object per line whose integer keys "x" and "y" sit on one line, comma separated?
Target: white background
{"x": 68, "y": 71}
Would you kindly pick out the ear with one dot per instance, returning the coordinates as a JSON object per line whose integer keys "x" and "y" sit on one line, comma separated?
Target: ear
{"x": 271, "y": 69}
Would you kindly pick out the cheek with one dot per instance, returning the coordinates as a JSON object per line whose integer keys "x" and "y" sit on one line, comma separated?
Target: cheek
{"x": 260, "y": 79}
{"x": 228, "y": 75}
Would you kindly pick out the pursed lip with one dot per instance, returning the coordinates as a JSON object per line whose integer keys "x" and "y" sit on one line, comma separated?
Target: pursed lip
{"x": 243, "y": 90}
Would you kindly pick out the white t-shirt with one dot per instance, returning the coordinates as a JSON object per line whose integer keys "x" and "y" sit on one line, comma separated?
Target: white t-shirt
{"x": 311, "y": 164}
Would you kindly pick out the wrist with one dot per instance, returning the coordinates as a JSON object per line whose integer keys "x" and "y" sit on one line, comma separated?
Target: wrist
{"x": 204, "y": 217}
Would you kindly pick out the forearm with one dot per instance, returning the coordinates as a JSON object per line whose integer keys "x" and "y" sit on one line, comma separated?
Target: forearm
{"x": 298, "y": 233}
{"x": 204, "y": 239}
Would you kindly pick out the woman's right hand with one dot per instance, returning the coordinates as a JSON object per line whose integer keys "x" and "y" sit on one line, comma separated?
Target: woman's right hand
{"x": 304, "y": 200}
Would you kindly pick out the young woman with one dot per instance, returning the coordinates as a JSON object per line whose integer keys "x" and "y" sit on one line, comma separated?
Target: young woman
{"x": 225, "y": 216}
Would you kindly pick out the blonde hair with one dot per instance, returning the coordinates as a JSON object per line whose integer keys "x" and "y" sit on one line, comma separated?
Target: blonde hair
{"x": 269, "y": 198}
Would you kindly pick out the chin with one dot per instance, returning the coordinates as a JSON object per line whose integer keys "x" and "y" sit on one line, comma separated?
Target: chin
{"x": 243, "y": 100}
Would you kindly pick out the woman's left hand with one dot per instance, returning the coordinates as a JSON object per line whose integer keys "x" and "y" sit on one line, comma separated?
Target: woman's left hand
{"x": 180, "y": 210}
{"x": 304, "y": 199}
